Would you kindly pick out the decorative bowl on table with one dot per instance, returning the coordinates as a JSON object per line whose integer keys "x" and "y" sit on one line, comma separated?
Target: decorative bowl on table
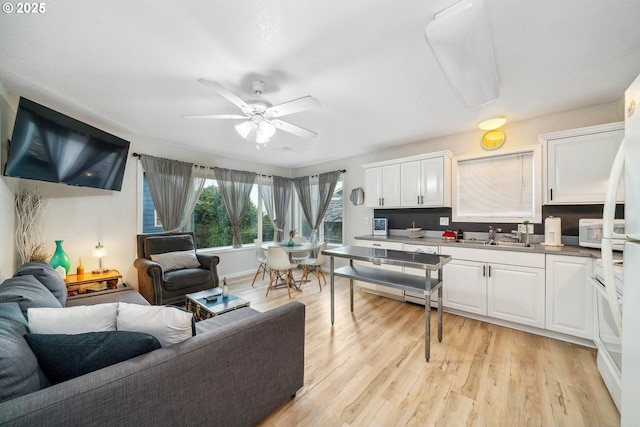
{"x": 414, "y": 232}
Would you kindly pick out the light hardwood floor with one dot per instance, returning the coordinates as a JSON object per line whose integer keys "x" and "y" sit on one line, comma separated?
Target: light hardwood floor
{"x": 369, "y": 368}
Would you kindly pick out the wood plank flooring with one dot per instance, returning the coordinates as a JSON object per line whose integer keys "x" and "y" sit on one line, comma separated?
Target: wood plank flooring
{"x": 369, "y": 368}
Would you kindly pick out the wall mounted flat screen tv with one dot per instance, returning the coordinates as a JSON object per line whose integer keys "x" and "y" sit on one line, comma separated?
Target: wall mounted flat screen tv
{"x": 49, "y": 146}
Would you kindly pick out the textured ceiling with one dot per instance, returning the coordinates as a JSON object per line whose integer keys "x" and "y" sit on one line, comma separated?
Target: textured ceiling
{"x": 133, "y": 66}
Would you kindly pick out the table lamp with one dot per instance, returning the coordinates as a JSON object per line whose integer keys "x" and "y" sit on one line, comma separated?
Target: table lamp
{"x": 99, "y": 251}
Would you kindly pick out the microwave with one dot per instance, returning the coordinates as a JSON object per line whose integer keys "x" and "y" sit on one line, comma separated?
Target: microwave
{"x": 590, "y": 232}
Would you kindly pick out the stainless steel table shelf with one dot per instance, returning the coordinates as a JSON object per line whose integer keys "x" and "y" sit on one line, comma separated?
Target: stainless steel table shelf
{"x": 393, "y": 279}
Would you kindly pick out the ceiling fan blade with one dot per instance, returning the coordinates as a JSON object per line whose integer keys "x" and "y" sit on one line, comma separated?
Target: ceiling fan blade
{"x": 301, "y": 104}
{"x": 225, "y": 93}
{"x": 294, "y": 129}
{"x": 216, "y": 116}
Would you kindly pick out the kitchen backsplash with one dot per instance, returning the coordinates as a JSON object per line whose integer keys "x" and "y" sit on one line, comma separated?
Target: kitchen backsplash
{"x": 429, "y": 219}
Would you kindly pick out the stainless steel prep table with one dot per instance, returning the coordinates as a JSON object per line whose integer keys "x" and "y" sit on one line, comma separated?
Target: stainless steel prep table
{"x": 392, "y": 279}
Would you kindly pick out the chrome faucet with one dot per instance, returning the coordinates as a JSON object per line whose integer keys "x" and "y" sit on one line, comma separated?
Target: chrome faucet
{"x": 492, "y": 234}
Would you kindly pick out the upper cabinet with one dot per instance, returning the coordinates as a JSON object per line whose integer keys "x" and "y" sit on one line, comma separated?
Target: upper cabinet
{"x": 411, "y": 182}
{"x": 426, "y": 183}
{"x": 578, "y": 163}
{"x": 382, "y": 186}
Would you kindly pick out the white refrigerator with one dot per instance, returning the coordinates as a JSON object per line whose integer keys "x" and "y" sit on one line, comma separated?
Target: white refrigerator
{"x": 627, "y": 315}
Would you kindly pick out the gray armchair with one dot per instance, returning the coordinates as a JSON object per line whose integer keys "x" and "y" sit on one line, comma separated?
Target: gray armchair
{"x": 161, "y": 287}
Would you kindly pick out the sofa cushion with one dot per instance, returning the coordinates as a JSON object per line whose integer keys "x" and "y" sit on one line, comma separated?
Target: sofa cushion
{"x": 47, "y": 276}
{"x": 63, "y": 357}
{"x": 168, "y": 243}
{"x": 28, "y": 292}
{"x": 18, "y": 365}
{"x": 182, "y": 279}
{"x": 170, "y": 325}
{"x": 177, "y": 260}
{"x": 73, "y": 320}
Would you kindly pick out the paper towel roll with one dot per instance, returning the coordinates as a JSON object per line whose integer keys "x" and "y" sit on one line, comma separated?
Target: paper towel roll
{"x": 552, "y": 232}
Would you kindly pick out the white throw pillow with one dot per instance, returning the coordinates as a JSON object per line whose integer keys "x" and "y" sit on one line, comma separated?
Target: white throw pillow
{"x": 176, "y": 260}
{"x": 170, "y": 325}
{"x": 73, "y": 320}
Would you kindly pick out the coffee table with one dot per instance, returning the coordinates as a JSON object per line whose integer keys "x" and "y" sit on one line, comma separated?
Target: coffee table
{"x": 202, "y": 309}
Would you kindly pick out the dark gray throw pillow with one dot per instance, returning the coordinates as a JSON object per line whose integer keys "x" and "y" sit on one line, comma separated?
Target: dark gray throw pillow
{"x": 18, "y": 365}
{"x": 28, "y": 292}
{"x": 63, "y": 357}
{"x": 47, "y": 276}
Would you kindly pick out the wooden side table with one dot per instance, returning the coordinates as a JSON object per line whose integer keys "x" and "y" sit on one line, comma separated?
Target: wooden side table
{"x": 92, "y": 282}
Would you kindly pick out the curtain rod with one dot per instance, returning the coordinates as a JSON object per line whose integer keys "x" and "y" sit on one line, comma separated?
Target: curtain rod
{"x": 211, "y": 167}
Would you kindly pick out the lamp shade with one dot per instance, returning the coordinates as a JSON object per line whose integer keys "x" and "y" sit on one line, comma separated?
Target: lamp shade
{"x": 460, "y": 39}
{"x": 99, "y": 251}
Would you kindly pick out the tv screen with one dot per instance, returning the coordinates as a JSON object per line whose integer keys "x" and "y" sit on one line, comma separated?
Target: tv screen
{"x": 49, "y": 146}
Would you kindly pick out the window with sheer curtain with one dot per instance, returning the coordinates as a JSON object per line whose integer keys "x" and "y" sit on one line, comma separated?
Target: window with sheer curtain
{"x": 501, "y": 187}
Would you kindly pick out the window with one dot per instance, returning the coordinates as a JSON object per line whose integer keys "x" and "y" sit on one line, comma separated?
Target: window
{"x": 331, "y": 228}
{"x": 503, "y": 187}
{"x": 210, "y": 221}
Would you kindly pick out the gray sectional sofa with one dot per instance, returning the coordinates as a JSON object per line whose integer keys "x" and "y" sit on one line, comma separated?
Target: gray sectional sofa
{"x": 238, "y": 368}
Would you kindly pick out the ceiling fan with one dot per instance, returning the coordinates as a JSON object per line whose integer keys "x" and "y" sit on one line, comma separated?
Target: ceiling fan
{"x": 261, "y": 118}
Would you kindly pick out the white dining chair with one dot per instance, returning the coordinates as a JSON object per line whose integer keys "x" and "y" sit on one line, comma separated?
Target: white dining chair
{"x": 314, "y": 264}
{"x": 279, "y": 266}
{"x": 261, "y": 256}
{"x": 298, "y": 256}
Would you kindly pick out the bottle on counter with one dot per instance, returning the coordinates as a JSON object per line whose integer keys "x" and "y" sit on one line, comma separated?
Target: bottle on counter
{"x": 80, "y": 269}
{"x": 460, "y": 235}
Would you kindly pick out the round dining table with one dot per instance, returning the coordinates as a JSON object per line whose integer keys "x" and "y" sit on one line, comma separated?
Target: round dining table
{"x": 297, "y": 247}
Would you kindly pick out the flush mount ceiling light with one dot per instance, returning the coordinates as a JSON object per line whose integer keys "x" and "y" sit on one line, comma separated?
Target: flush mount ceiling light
{"x": 460, "y": 39}
{"x": 492, "y": 123}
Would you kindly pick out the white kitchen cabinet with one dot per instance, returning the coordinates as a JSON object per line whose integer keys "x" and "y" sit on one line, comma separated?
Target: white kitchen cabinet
{"x": 465, "y": 286}
{"x": 412, "y": 296}
{"x": 382, "y": 186}
{"x": 578, "y": 163}
{"x": 569, "y": 295}
{"x": 505, "y": 285}
{"x": 376, "y": 289}
{"x": 426, "y": 182}
{"x": 516, "y": 293}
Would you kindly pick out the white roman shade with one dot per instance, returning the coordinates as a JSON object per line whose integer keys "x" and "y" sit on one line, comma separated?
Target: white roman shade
{"x": 502, "y": 188}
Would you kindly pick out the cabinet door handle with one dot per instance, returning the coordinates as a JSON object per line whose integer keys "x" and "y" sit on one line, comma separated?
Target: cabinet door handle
{"x": 418, "y": 199}
{"x": 484, "y": 271}
{"x": 383, "y": 201}
{"x": 376, "y": 244}
{"x": 489, "y": 271}
{"x": 551, "y": 193}
{"x": 380, "y": 201}
{"x": 422, "y": 200}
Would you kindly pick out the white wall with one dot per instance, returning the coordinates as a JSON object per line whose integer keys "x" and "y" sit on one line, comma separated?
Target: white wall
{"x": 7, "y": 191}
{"x": 82, "y": 217}
{"x": 357, "y": 219}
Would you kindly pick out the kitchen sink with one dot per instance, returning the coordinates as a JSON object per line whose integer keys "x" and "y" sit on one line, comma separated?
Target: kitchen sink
{"x": 504, "y": 244}
{"x": 511, "y": 244}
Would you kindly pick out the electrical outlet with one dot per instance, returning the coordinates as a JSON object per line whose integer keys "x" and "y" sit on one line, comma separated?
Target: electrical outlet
{"x": 522, "y": 229}
{"x": 366, "y": 220}
{"x": 444, "y": 220}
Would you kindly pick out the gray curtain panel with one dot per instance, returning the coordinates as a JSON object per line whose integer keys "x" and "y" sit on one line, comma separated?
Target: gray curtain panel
{"x": 281, "y": 199}
{"x": 170, "y": 184}
{"x": 314, "y": 206}
{"x": 276, "y": 196}
{"x": 235, "y": 189}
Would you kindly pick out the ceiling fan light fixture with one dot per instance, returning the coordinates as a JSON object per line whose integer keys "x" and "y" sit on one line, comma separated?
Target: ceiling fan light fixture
{"x": 266, "y": 129}
{"x": 492, "y": 123}
{"x": 244, "y": 128}
{"x": 460, "y": 39}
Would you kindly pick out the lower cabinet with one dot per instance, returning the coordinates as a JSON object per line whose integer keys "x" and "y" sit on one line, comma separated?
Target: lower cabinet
{"x": 570, "y": 295}
{"x": 516, "y": 293}
{"x": 465, "y": 286}
{"x": 381, "y": 290}
{"x": 512, "y": 289}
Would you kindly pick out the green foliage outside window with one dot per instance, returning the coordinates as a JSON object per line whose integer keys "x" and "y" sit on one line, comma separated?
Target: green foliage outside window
{"x": 212, "y": 225}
